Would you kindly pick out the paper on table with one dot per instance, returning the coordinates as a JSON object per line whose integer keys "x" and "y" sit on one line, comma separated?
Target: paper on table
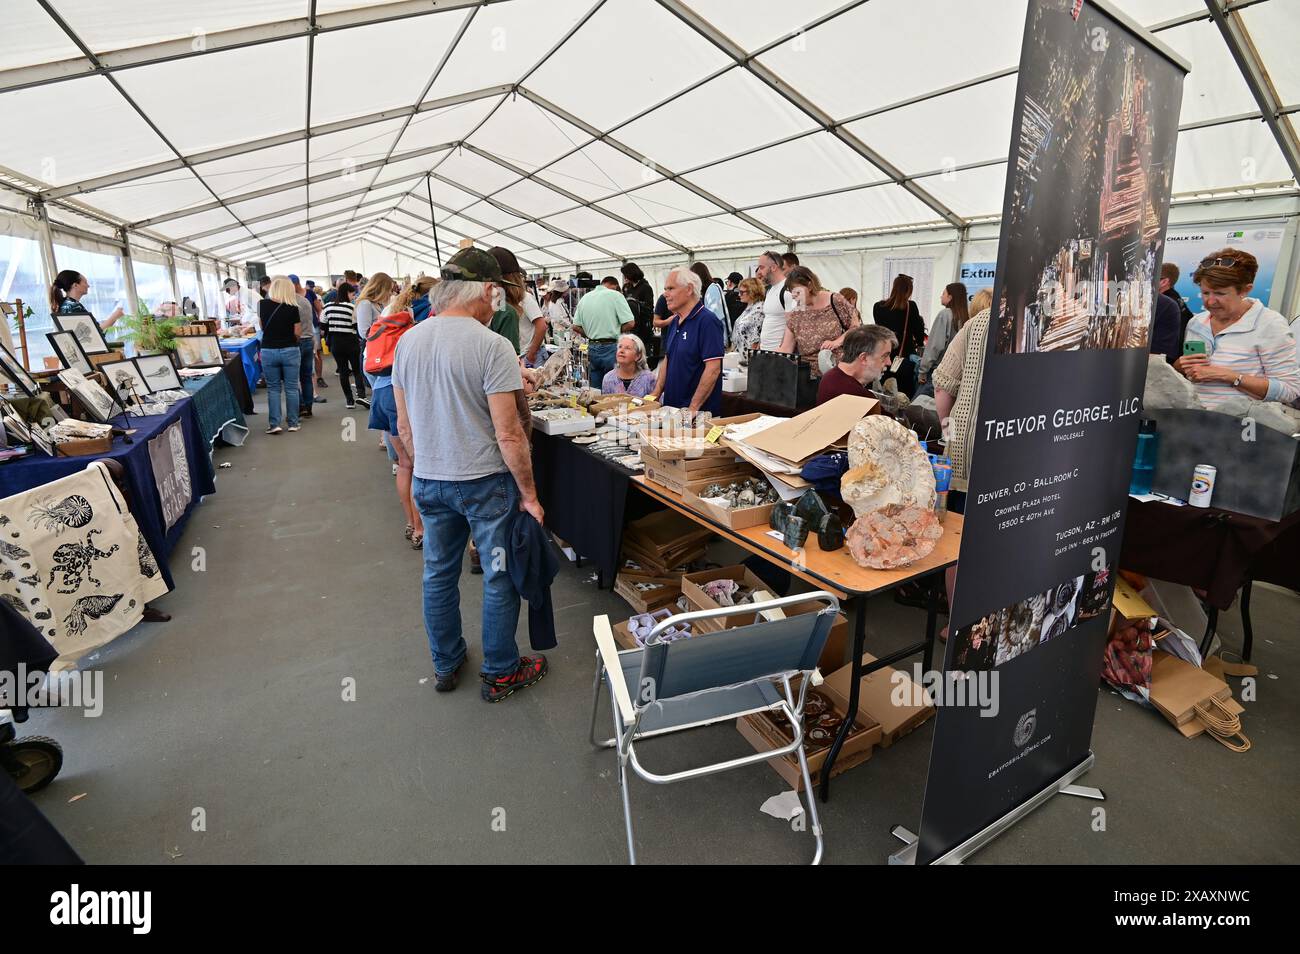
{"x": 784, "y": 490}
{"x": 743, "y": 432}
{"x": 1159, "y": 498}
{"x": 813, "y": 431}
{"x": 763, "y": 461}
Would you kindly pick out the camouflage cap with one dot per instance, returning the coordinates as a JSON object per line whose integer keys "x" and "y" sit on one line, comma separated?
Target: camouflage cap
{"x": 474, "y": 265}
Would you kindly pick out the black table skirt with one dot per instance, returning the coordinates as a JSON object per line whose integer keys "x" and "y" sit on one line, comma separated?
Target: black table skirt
{"x": 586, "y": 499}
{"x": 239, "y": 383}
{"x": 1210, "y": 549}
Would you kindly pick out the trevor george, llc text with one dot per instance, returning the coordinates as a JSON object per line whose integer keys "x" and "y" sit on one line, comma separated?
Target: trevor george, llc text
{"x": 995, "y": 430}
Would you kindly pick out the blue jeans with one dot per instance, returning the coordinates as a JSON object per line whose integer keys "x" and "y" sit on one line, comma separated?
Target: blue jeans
{"x": 280, "y": 367}
{"x": 307, "y": 372}
{"x": 451, "y": 511}
{"x": 600, "y": 361}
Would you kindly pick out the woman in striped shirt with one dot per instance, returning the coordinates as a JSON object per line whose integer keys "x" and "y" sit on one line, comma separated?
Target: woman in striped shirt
{"x": 1249, "y": 349}
{"x": 345, "y": 344}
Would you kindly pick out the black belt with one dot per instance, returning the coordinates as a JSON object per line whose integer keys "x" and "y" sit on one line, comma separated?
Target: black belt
{"x": 604, "y": 340}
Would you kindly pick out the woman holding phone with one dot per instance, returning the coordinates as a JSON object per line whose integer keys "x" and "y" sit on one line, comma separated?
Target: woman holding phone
{"x": 1237, "y": 346}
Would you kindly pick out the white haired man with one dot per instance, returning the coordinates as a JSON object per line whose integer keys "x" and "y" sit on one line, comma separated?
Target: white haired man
{"x": 690, "y": 374}
{"x": 461, "y": 415}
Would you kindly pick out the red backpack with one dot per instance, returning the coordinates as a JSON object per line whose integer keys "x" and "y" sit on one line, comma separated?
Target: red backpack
{"x": 381, "y": 341}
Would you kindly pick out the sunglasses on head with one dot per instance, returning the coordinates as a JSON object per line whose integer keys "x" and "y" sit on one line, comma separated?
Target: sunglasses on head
{"x": 1212, "y": 262}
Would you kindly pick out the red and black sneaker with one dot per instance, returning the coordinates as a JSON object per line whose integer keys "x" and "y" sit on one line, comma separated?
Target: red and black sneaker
{"x": 531, "y": 669}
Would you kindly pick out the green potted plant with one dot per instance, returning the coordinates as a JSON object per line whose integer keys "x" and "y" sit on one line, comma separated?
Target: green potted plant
{"x": 148, "y": 332}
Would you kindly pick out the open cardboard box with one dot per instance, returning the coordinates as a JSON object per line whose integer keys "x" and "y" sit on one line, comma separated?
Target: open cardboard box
{"x": 695, "y": 484}
{"x": 837, "y": 642}
{"x": 764, "y": 736}
{"x": 876, "y": 698}
{"x": 741, "y": 518}
{"x": 666, "y": 590}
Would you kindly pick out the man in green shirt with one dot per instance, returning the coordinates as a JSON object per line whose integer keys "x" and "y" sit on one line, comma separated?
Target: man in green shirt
{"x": 603, "y": 314}
{"x": 506, "y": 325}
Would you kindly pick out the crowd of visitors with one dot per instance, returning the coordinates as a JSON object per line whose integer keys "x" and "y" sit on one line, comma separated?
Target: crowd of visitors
{"x": 444, "y": 364}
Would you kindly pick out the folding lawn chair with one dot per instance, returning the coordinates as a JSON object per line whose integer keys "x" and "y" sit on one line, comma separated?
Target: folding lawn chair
{"x": 686, "y": 683}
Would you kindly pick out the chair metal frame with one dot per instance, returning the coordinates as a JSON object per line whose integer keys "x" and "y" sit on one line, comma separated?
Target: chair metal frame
{"x": 628, "y": 711}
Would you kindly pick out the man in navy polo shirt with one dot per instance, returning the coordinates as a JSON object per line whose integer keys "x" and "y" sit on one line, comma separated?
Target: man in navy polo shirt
{"x": 690, "y": 374}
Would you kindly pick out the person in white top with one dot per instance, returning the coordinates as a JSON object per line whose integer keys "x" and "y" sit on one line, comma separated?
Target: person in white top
{"x": 532, "y": 328}
{"x": 771, "y": 272}
{"x": 235, "y": 310}
{"x": 557, "y": 312}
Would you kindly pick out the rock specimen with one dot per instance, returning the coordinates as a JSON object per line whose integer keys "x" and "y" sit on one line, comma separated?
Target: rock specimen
{"x": 890, "y": 486}
{"x": 893, "y": 536}
{"x": 887, "y": 465}
{"x": 1165, "y": 387}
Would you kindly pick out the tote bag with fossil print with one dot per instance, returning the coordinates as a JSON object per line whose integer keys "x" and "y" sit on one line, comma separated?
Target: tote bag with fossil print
{"x": 74, "y": 563}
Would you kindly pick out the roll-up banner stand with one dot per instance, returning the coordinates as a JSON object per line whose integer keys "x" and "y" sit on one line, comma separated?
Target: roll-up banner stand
{"x": 1083, "y": 223}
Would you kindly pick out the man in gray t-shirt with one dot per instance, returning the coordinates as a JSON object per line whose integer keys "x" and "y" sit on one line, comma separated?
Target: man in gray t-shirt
{"x": 462, "y": 416}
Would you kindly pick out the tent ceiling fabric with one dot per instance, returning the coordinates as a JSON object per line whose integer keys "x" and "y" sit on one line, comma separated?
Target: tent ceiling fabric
{"x": 572, "y": 130}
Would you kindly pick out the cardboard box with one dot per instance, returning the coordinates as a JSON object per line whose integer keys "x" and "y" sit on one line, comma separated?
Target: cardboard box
{"x": 833, "y": 654}
{"x": 738, "y": 519}
{"x": 573, "y": 425}
{"x": 876, "y": 698}
{"x": 666, "y": 590}
{"x": 764, "y": 736}
{"x": 695, "y": 484}
{"x": 663, "y": 541}
{"x": 666, "y": 444}
{"x": 813, "y": 431}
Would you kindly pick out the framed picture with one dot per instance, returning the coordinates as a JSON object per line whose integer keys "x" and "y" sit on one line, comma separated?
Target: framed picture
{"x": 158, "y": 372}
{"x": 125, "y": 380}
{"x": 98, "y": 402}
{"x": 13, "y": 369}
{"x": 68, "y": 347}
{"x": 87, "y": 331}
{"x": 199, "y": 351}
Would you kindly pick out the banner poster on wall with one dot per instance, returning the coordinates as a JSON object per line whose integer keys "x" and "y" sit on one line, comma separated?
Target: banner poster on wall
{"x": 1084, "y": 215}
{"x": 1185, "y": 246}
{"x": 921, "y": 271}
{"x": 977, "y": 276}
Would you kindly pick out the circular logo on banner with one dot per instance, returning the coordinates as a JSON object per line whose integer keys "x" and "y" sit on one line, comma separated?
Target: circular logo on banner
{"x": 1025, "y": 728}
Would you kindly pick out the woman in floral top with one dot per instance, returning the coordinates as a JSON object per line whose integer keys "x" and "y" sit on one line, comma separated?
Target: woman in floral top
{"x": 749, "y": 323}
{"x": 819, "y": 320}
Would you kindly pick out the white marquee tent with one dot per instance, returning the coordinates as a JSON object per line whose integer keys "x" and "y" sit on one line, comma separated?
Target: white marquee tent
{"x": 156, "y": 145}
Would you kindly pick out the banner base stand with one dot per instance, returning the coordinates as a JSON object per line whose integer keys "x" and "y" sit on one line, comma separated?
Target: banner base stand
{"x": 1062, "y": 786}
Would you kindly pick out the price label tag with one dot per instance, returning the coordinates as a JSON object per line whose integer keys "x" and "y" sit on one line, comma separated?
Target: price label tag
{"x": 715, "y": 434}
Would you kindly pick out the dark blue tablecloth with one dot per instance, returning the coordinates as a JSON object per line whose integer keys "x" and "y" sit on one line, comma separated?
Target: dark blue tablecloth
{"x": 250, "y": 352}
{"x": 216, "y": 408}
{"x": 26, "y": 473}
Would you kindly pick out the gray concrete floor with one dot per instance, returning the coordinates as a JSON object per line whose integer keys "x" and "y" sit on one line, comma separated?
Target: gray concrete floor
{"x": 236, "y": 707}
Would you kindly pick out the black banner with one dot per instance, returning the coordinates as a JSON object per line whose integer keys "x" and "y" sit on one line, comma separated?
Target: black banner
{"x": 1087, "y": 200}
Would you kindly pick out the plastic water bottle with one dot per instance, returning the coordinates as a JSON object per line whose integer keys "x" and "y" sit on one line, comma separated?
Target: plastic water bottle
{"x": 1144, "y": 459}
{"x": 942, "y": 481}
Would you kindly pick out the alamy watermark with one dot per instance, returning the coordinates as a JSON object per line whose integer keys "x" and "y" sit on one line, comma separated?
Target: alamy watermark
{"x": 82, "y": 689}
{"x": 953, "y": 688}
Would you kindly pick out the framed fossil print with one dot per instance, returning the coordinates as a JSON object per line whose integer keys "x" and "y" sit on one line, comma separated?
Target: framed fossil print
{"x": 12, "y": 368}
{"x": 158, "y": 372}
{"x": 199, "y": 351}
{"x": 87, "y": 331}
{"x": 68, "y": 347}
